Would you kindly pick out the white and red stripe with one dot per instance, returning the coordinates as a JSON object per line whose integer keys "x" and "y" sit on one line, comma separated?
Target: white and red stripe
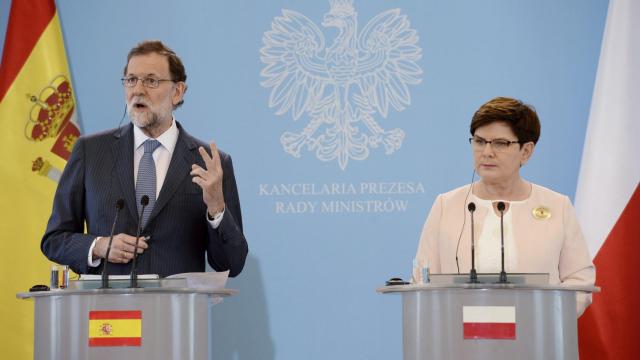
{"x": 608, "y": 194}
{"x": 489, "y": 322}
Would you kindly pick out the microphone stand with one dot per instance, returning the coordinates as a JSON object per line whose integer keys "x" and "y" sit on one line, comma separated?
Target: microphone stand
{"x": 473, "y": 275}
{"x": 144, "y": 201}
{"x": 503, "y": 274}
{"x": 105, "y": 274}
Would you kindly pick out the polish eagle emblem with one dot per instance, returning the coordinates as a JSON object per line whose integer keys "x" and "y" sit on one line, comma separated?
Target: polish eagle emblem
{"x": 343, "y": 87}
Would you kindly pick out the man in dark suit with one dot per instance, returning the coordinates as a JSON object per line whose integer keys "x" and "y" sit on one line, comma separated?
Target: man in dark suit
{"x": 194, "y": 206}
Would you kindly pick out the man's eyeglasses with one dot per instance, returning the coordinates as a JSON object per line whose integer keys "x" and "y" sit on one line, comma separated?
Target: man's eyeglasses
{"x": 148, "y": 82}
{"x": 497, "y": 145}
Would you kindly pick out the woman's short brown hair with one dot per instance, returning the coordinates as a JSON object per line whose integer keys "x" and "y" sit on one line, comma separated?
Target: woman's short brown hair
{"x": 520, "y": 117}
{"x": 176, "y": 68}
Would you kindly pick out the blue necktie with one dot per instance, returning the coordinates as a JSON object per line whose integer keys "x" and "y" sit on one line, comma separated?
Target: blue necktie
{"x": 146, "y": 181}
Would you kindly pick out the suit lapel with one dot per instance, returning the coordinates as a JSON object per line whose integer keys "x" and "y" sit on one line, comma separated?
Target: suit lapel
{"x": 122, "y": 150}
{"x": 179, "y": 169}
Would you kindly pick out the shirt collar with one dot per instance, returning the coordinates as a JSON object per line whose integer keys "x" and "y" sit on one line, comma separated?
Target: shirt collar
{"x": 168, "y": 139}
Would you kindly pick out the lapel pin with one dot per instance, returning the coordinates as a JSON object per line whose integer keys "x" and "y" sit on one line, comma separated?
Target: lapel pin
{"x": 541, "y": 213}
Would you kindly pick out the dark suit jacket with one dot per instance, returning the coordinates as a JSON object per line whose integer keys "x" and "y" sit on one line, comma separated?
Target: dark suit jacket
{"x": 100, "y": 171}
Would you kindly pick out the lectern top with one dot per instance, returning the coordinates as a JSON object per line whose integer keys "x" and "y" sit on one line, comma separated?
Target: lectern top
{"x": 483, "y": 286}
{"x": 150, "y": 290}
{"x": 212, "y": 285}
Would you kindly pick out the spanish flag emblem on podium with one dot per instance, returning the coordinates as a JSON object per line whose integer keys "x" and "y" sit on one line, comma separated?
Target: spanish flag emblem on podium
{"x": 115, "y": 328}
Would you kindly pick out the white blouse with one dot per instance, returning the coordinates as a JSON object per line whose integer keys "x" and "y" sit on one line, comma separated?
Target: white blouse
{"x": 488, "y": 247}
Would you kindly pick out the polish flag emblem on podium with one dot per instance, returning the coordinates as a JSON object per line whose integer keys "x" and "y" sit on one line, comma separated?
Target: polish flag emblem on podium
{"x": 489, "y": 322}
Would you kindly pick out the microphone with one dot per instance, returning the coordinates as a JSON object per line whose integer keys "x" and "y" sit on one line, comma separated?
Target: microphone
{"x": 144, "y": 201}
{"x": 503, "y": 274}
{"x": 473, "y": 275}
{"x": 105, "y": 274}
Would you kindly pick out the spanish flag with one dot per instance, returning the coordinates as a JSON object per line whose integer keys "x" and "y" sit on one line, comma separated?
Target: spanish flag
{"x": 115, "y": 328}
{"x": 38, "y": 130}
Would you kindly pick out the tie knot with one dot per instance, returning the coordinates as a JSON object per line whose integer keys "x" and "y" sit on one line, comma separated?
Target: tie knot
{"x": 150, "y": 145}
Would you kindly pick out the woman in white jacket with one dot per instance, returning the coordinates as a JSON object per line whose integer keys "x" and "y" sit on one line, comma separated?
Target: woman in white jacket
{"x": 541, "y": 232}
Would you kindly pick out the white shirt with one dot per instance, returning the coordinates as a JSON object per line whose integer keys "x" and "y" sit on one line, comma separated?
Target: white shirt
{"x": 488, "y": 246}
{"x": 162, "y": 158}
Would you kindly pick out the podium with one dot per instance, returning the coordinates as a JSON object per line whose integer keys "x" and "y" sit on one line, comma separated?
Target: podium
{"x": 488, "y": 321}
{"x": 163, "y": 319}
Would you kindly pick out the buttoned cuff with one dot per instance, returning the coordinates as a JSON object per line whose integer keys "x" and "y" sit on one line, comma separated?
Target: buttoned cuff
{"x": 216, "y": 219}
{"x": 90, "y": 261}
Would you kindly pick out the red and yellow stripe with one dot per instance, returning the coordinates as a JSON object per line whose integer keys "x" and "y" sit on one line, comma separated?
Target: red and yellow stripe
{"x": 28, "y": 19}
{"x": 34, "y": 67}
{"x": 115, "y": 328}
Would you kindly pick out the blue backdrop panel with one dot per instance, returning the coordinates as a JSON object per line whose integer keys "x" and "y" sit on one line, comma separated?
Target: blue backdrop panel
{"x": 343, "y": 129}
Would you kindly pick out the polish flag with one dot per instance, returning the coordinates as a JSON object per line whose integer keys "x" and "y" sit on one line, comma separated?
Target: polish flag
{"x": 489, "y": 322}
{"x": 608, "y": 194}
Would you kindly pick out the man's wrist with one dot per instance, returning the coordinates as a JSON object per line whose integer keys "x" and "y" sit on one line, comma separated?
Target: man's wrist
{"x": 216, "y": 214}
{"x": 94, "y": 249}
{"x": 93, "y": 259}
{"x": 216, "y": 219}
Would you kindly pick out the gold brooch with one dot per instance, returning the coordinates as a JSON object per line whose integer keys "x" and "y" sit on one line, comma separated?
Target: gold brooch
{"x": 541, "y": 213}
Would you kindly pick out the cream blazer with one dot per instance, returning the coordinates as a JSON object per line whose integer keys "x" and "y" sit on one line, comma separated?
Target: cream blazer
{"x": 554, "y": 245}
